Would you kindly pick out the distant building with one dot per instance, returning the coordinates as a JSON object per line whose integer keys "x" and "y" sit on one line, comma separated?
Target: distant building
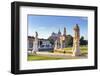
{"x": 30, "y": 42}
{"x": 56, "y": 37}
{"x": 44, "y": 44}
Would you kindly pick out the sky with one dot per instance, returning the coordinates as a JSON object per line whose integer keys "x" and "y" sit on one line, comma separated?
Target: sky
{"x": 45, "y": 25}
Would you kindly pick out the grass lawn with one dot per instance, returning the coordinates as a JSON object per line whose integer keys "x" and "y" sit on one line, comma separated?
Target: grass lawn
{"x": 37, "y": 57}
{"x": 84, "y": 50}
{"x": 68, "y": 50}
{"x": 81, "y": 48}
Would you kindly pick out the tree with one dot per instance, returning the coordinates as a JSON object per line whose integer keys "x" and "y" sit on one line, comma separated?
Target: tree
{"x": 82, "y": 41}
{"x": 69, "y": 41}
{"x": 51, "y": 40}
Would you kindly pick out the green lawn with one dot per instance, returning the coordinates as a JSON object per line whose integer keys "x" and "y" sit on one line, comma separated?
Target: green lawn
{"x": 81, "y": 48}
{"x": 37, "y": 57}
{"x": 68, "y": 50}
{"x": 84, "y": 50}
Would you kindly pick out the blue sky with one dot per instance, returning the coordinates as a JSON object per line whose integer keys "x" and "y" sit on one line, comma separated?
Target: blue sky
{"x": 45, "y": 25}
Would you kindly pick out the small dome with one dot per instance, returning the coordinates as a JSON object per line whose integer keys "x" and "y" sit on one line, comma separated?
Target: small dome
{"x": 53, "y": 33}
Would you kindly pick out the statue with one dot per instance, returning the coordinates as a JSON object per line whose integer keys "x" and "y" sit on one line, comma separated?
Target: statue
{"x": 62, "y": 39}
{"x": 56, "y": 45}
{"x": 60, "y": 42}
{"x": 76, "y": 38}
{"x": 35, "y": 44}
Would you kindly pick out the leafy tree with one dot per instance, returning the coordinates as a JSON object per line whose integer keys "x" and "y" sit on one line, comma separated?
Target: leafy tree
{"x": 82, "y": 41}
{"x": 69, "y": 41}
{"x": 51, "y": 40}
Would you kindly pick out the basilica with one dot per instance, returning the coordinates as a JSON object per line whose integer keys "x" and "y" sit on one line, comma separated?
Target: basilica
{"x": 59, "y": 39}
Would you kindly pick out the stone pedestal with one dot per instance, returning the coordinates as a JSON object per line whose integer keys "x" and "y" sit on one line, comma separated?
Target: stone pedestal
{"x": 76, "y": 48}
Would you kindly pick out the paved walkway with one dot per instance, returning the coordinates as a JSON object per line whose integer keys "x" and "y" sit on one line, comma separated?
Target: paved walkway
{"x": 60, "y": 55}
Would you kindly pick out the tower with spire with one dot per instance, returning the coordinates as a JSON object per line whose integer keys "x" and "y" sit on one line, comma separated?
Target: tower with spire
{"x": 59, "y": 33}
{"x": 65, "y": 38}
{"x": 64, "y": 31}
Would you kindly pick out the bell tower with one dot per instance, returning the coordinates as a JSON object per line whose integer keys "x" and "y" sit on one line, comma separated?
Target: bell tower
{"x": 64, "y": 34}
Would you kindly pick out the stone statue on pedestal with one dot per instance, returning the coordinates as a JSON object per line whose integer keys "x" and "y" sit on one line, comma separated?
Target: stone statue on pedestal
{"x": 76, "y": 38}
{"x": 62, "y": 38}
{"x": 60, "y": 42}
{"x": 35, "y": 44}
{"x": 56, "y": 45}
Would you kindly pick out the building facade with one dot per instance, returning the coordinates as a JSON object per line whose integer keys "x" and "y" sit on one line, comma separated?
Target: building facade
{"x": 43, "y": 44}
{"x": 59, "y": 39}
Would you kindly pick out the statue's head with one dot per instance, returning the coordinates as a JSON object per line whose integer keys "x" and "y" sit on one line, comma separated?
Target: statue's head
{"x": 76, "y": 27}
{"x": 36, "y": 34}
